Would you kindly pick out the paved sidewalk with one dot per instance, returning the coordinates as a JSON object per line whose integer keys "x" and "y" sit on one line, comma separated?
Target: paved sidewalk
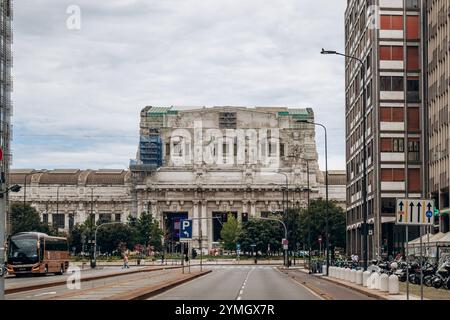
{"x": 373, "y": 293}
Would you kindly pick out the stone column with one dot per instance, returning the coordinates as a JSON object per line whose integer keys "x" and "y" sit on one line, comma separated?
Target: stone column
{"x": 205, "y": 225}
{"x": 253, "y": 208}
{"x": 196, "y": 221}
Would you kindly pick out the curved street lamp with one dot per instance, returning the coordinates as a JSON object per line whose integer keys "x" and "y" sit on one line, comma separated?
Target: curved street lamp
{"x": 364, "y": 177}
{"x": 326, "y": 189}
{"x": 285, "y": 235}
{"x": 95, "y": 239}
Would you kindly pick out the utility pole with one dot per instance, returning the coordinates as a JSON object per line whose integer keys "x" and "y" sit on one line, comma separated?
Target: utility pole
{"x": 2, "y": 241}
{"x": 3, "y": 197}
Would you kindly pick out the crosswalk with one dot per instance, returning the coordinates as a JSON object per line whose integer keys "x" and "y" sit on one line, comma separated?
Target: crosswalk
{"x": 236, "y": 267}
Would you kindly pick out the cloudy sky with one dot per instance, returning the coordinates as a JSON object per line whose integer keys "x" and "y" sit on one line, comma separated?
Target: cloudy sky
{"x": 78, "y": 93}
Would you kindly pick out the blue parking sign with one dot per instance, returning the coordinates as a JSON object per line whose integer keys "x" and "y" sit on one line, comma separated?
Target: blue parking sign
{"x": 186, "y": 229}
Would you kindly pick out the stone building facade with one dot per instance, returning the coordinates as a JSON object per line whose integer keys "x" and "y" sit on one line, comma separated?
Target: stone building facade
{"x": 171, "y": 180}
{"x": 66, "y": 197}
{"x": 184, "y": 183}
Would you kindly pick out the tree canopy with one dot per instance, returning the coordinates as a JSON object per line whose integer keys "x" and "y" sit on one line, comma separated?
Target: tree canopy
{"x": 230, "y": 233}
{"x": 25, "y": 218}
{"x": 317, "y": 216}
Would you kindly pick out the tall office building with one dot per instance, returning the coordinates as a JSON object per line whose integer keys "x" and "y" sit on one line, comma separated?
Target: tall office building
{"x": 5, "y": 88}
{"x": 386, "y": 35}
{"x": 438, "y": 81}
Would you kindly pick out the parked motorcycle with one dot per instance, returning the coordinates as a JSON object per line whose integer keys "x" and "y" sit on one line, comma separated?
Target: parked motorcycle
{"x": 442, "y": 276}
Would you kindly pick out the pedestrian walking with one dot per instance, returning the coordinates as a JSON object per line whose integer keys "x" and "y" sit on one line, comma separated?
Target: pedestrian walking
{"x": 125, "y": 262}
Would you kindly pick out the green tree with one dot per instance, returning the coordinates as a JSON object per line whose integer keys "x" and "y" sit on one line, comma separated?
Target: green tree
{"x": 156, "y": 235}
{"x": 262, "y": 233}
{"x": 147, "y": 230}
{"x": 316, "y": 217}
{"x": 25, "y": 218}
{"x": 230, "y": 233}
{"x": 112, "y": 237}
{"x": 292, "y": 221}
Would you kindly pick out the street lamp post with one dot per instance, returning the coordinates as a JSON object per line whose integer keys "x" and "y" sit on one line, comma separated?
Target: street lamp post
{"x": 364, "y": 177}
{"x": 25, "y": 186}
{"x": 95, "y": 239}
{"x": 309, "y": 217}
{"x": 92, "y": 221}
{"x": 286, "y": 211}
{"x": 326, "y": 190}
{"x": 57, "y": 200}
{"x": 285, "y": 235}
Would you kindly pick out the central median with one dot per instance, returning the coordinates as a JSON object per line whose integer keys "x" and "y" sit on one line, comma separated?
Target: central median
{"x": 18, "y": 289}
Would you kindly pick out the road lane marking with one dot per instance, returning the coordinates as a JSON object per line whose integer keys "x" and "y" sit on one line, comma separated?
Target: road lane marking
{"x": 241, "y": 292}
{"x": 45, "y": 294}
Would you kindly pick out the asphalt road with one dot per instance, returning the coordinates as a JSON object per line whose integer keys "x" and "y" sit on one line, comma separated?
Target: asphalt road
{"x": 240, "y": 283}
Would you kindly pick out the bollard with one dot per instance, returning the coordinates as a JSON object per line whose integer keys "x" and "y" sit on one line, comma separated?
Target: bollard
{"x": 366, "y": 275}
{"x": 346, "y": 277}
{"x": 376, "y": 281}
{"x": 384, "y": 283}
{"x": 394, "y": 285}
{"x": 370, "y": 281}
{"x": 324, "y": 269}
{"x": 353, "y": 276}
{"x": 359, "y": 277}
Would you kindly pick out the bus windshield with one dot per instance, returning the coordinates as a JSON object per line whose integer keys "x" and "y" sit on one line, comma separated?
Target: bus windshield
{"x": 23, "y": 251}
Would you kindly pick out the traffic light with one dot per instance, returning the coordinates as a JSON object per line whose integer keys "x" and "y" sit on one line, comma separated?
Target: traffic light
{"x": 436, "y": 212}
{"x": 244, "y": 217}
{"x": 186, "y": 258}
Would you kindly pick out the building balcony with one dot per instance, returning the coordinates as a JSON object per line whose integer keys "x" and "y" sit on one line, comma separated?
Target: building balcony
{"x": 389, "y": 64}
{"x": 392, "y": 157}
{"x": 392, "y": 186}
{"x": 392, "y": 126}
{"x": 392, "y": 95}
{"x": 391, "y": 34}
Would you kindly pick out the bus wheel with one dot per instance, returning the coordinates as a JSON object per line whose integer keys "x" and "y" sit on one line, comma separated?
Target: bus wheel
{"x": 61, "y": 270}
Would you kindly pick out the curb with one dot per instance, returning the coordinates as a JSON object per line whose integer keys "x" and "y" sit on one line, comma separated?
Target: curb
{"x": 86, "y": 279}
{"x": 144, "y": 293}
{"x": 369, "y": 294}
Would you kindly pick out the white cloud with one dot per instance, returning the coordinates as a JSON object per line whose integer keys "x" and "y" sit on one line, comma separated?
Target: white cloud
{"x": 133, "y": 53}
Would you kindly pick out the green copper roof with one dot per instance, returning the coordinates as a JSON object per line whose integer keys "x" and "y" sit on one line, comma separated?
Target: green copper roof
{"x": 295, "y": 113}
{"x": 158, "y": 111}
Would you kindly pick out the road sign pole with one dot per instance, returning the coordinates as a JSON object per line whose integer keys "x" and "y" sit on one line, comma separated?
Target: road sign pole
{"x": 407, "y": 264}
{"x": 182, "y": 257}
{"x": 421, "y": 264}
